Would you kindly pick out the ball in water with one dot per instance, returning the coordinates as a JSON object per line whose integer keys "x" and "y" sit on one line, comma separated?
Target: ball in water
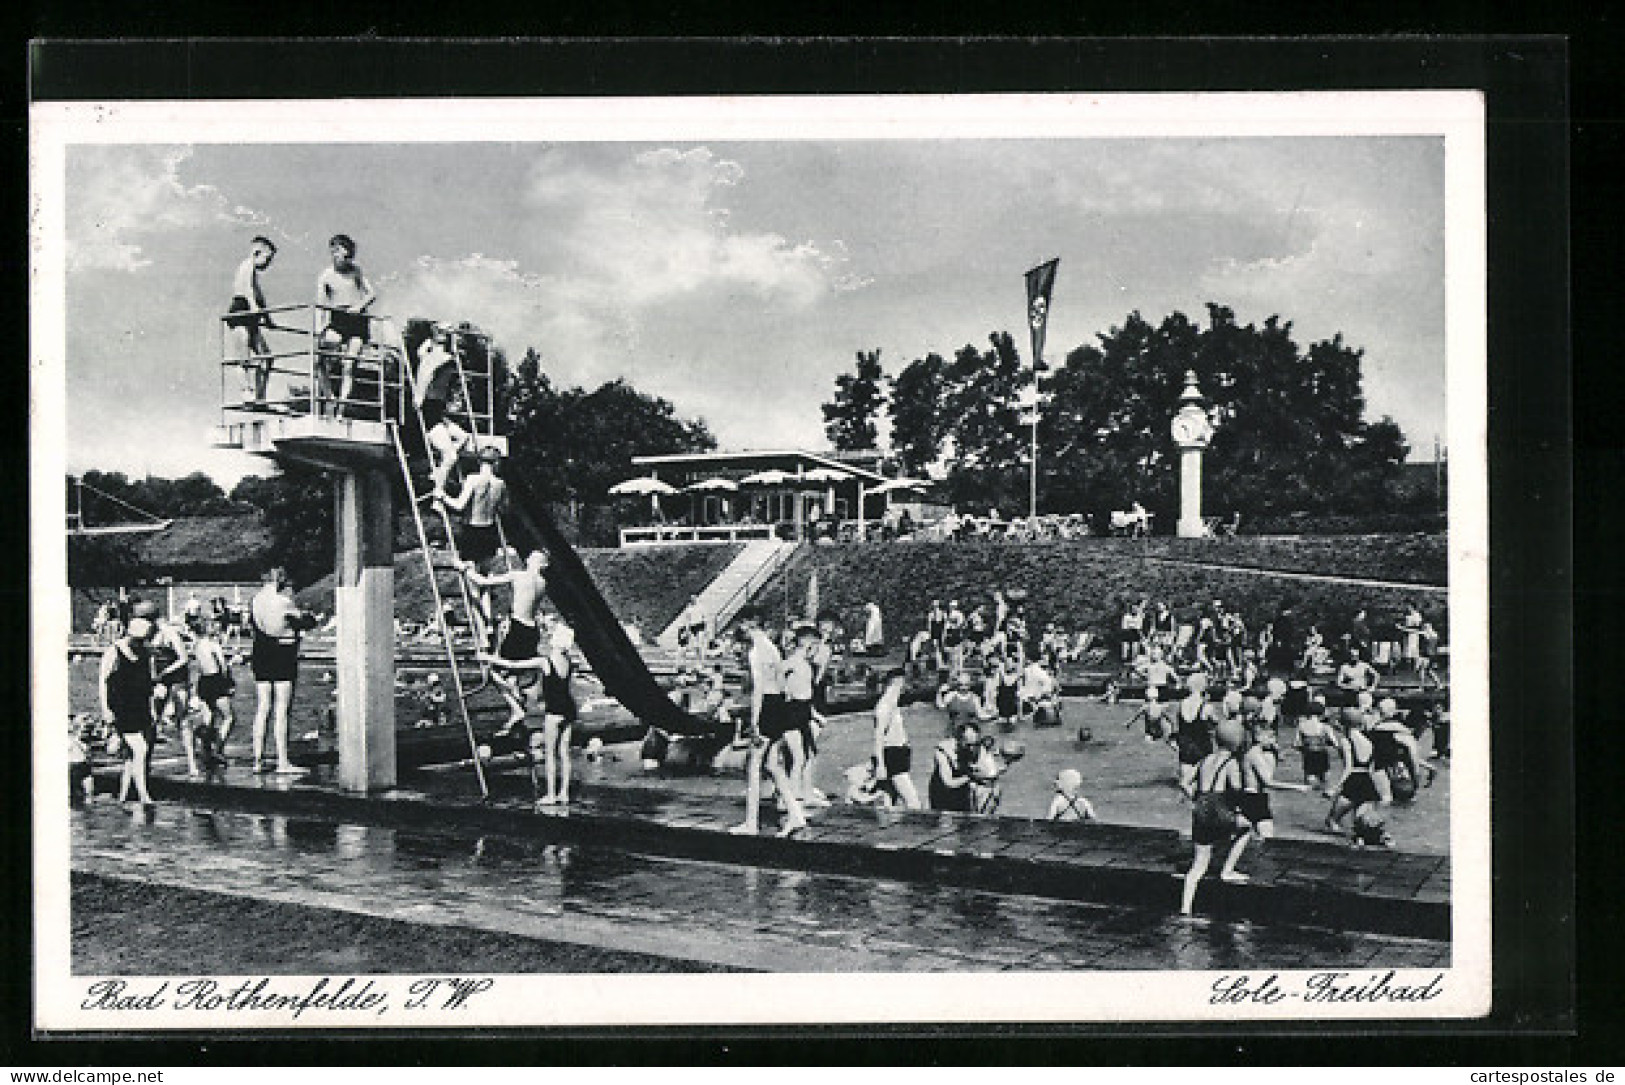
{"x": 1085, "y": 735}
{"x": 484, "y": 752}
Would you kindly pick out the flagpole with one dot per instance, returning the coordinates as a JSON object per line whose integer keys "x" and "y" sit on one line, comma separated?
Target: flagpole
{"x": 1040, "y": 281}
{"x": 1032, "y": 496}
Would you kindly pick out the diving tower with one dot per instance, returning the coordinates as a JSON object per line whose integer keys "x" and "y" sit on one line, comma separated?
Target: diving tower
{"x": 344, "y": 412}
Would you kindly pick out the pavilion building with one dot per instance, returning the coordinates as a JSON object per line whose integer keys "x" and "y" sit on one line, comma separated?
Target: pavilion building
{"x": 758, "y": 494}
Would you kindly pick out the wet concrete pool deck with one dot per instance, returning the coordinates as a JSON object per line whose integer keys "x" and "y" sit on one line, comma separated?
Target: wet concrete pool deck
{"x": 1303, "y": 882}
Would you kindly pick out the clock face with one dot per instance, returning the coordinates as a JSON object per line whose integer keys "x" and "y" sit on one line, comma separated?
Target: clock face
{"x": 1190, "y": 428}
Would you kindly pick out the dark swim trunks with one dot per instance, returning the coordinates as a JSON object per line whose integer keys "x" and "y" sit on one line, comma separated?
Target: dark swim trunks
{"x": 134, "y": 722}
{"x": 478, "y": 542}
{"x": 1255, "y": 807}
{"x": 898, "y": 759}
{"x": 520, "y": 641}
{"x": 1359, "y": 789}
{"x": 800, "y": 713}
{"x": 1213, "y": 820}
{"x": 775, "y": 721}
{"x": 274, "y": 661}
{"x": 250, "y": 319}
{"x": 212, "y": 687}
{"x": 348, "y": 325}
{"x": 1191, "y": 749}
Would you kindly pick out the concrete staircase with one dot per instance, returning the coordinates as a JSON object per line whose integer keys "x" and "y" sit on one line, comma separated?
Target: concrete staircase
{"x": 736, "y": 585}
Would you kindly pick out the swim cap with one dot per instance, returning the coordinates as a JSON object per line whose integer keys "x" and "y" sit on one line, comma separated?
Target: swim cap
{"x": 1276, "y": 687}
{"x": 139, "y": 628}
{"x": 145, "y": 608}
{"x": 1196, "y": 683}
{"x": 1068, "y": 780}
{"x": 1388, "y": 707}
{"x": 1230, "y": 734}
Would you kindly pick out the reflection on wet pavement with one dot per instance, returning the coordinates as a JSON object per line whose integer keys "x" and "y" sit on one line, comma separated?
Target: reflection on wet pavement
{"x": 738, "y": 916}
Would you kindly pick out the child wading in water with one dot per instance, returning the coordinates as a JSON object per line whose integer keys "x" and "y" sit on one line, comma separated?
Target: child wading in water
{"x": 893, "y": 757}
{"x": 1068, "y": 804}
{"x": 1314, "y": 742}
{"x": 1153, "y": 715}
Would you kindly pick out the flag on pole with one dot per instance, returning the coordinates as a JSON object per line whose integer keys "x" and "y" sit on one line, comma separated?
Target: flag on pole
{"x": 1040, "y": 282}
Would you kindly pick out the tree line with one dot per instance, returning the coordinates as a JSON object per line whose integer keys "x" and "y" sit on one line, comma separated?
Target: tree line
{"x": 1292, "y": 437}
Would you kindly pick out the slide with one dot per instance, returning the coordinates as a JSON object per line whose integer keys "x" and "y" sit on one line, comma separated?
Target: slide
{"x": 599, "y": 634}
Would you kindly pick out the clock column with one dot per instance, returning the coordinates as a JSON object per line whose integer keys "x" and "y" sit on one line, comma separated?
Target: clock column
{"x": 1192, "y": 432}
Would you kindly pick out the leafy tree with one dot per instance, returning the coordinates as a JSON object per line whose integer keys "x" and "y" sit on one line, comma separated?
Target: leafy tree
{"x": 194, "y": 495}
{"x": 298, "y": 509}
{"x": 918, "y": 419}
{"x": 982, "y": 417}
{"x": 1291, "y": 432}
{"x": 849, "y": 418}
{"x": 572, "y": 445}
{"x": 968, "y": 411}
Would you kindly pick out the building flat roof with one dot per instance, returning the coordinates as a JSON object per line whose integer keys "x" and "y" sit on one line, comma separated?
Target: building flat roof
{"x": 757, "y": 454}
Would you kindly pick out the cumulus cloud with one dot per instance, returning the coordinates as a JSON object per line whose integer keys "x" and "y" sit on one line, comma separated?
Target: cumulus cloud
{"x": 653, "y": 227}
{"x": 565, "y": 318}
{"x": 120, "y": 195}
{"x": 611, "y": 250}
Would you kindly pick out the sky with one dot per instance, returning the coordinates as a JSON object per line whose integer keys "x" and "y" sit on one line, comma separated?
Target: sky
{"x": 738, "y": 279}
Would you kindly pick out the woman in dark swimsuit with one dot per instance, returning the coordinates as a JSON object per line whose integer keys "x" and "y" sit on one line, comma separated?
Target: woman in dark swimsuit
{"x": 1358, "y": 793}
{"x": 1006, "y": 696}
{"x": 1218, "y": 792}
{"x": 1191, "y": 734}
{"x": 950, "y": 787}
{"x": 126, "y": 695}
{"x": 558, "y": 716}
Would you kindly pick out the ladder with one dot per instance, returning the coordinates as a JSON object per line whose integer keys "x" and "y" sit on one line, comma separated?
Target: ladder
{"x": 440, "y": 612}
{"x": 479, "y": 623}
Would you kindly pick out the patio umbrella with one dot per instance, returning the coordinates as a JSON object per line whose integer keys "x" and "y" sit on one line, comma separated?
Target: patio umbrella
{"x": 639, "y": 486}
{"x": 894, "y": 484}
{"x": 828, "y": 476}
{"x": 771, "y": 477}
{"x": 714, "y": 485}
{"x": 636, "y": 487}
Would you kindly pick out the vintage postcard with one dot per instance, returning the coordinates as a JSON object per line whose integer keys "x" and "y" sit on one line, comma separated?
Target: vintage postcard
{"x": 577, "y": 562}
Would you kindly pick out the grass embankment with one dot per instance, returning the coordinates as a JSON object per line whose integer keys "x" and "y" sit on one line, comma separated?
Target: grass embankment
{"x": 645, "y": 587}
{"x": 1410, "y": 559}
{"x": 1083, "y": 584}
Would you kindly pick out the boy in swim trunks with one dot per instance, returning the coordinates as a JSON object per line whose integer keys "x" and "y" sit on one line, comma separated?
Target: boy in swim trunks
{"x": 481, "y": 500}
{"x": 801, "y": 743}
{"x": 214, "y": 688}
{"x": 276, "y": 624}
{"x": 172, "y": 672}
{"x": 893, "y": 756}
{"x": 521, "y": 634}
{"x": 245, "y": 337}
{"x": 767, "y": 726}
{"x": 447, "y": 440}
{"x": 344, "y": 291}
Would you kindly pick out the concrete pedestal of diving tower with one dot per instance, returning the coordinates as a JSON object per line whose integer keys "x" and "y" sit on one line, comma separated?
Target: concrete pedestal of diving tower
{"x": 360, "y": 456}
